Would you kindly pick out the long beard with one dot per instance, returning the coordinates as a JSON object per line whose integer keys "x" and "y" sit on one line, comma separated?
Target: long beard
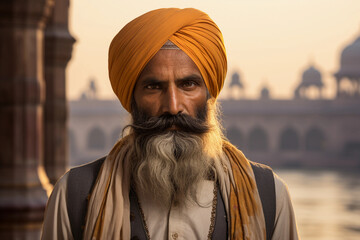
{"x": 170, "y": 167}
{"x": 169, "y": 164}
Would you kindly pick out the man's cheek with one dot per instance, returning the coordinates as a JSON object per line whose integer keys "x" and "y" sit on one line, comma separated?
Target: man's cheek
{"x": 201, "y": 112}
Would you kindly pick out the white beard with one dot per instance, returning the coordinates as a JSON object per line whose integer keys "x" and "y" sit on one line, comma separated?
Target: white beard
{"x": 170, "y": 166}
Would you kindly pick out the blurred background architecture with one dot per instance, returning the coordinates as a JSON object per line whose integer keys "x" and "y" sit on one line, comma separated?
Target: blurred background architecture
{"x": 35, "y": 49}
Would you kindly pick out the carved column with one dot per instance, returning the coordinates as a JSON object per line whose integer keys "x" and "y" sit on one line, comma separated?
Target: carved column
{"x": 58, "y": 48}
{"x": 22, "y": 197}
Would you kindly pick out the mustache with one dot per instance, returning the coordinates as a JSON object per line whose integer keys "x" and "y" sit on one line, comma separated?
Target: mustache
{"x": 161, "y": 124}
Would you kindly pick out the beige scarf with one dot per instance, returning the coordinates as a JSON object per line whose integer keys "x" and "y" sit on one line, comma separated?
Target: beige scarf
{"x": 108, "y": 214}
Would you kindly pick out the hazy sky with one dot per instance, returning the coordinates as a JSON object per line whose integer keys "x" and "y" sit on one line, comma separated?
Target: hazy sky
{"x": 270, "y": 42}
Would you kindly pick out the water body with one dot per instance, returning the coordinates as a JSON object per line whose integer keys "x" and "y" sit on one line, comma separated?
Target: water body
{"x": 326, "y": 202}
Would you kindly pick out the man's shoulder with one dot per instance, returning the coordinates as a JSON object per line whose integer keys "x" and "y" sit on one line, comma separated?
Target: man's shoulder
{"x": 80, "y": 182}
{"x": 260, "y": 166}
{"x": 88, "y": 169}
{"x": 280, "y": 186}
{"x": 82, "y": 178}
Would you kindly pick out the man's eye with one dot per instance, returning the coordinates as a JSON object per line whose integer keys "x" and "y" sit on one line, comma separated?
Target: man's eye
{"x": 152, "y": 86}
{"x": 188, "y": 84}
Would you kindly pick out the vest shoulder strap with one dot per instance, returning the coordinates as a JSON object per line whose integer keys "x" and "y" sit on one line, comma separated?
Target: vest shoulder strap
{"x": 266, "y": 186}
{"x": 79, "y": 185}
{"x": 81, "y": 180}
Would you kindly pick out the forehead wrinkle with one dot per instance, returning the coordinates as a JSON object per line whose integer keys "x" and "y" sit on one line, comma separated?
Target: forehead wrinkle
{"x": 192, "y": 77}
{"x": 157, "y": 68}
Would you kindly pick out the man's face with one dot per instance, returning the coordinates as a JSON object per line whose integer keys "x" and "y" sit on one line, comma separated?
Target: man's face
{"x": 170, "y": 83}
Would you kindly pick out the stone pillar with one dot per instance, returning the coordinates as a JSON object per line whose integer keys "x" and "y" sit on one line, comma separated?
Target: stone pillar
{"x": 22, "y": 197}
{"x": 58, "y": 48}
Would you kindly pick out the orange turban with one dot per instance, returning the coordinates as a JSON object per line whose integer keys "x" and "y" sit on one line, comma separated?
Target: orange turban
{"x": 190, "y": 29}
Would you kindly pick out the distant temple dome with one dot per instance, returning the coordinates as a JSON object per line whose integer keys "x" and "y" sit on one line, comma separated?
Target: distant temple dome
{"x": 349, "y": 72}
{"x": 236, "y": 81}
{"x": 236, "y": 87}
{"x": 350, "y": 60}
{"x": 90, "y": 92}
{"x": 265, "y": 93}
{"x": 311, "y": 77}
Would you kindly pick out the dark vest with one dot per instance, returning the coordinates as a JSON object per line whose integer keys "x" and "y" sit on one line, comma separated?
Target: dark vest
{"x": 81, "y": 180}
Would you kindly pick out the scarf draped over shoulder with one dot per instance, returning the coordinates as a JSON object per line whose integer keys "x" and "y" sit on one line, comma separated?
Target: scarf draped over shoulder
{"x": 108, "y": 214}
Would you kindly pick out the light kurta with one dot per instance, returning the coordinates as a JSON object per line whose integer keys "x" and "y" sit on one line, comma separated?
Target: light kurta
{"x": 192, "y": 222}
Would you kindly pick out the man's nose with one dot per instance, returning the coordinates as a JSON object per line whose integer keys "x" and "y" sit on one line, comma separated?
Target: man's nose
{"x": 172, "y": 101}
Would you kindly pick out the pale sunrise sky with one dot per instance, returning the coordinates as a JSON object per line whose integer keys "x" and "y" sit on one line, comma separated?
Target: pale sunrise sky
{"x": 270, "y": 42}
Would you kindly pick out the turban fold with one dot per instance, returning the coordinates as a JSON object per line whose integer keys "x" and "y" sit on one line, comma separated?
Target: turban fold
{"x": 191, "y": 30}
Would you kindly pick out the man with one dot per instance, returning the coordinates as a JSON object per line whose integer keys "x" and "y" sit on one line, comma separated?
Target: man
{"x": 173, "y": 175}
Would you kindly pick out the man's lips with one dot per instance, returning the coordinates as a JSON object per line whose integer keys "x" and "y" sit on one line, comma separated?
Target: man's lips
{"x": 173, "y": 127}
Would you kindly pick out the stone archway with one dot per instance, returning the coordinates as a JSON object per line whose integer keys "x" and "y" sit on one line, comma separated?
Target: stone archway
{"x": 315, "y": 139}
{"x": 96, "y": 139}
{"x": 258, "y": 140}
{"x": 289, "y": 140}
{"x": 235, "y": 136}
